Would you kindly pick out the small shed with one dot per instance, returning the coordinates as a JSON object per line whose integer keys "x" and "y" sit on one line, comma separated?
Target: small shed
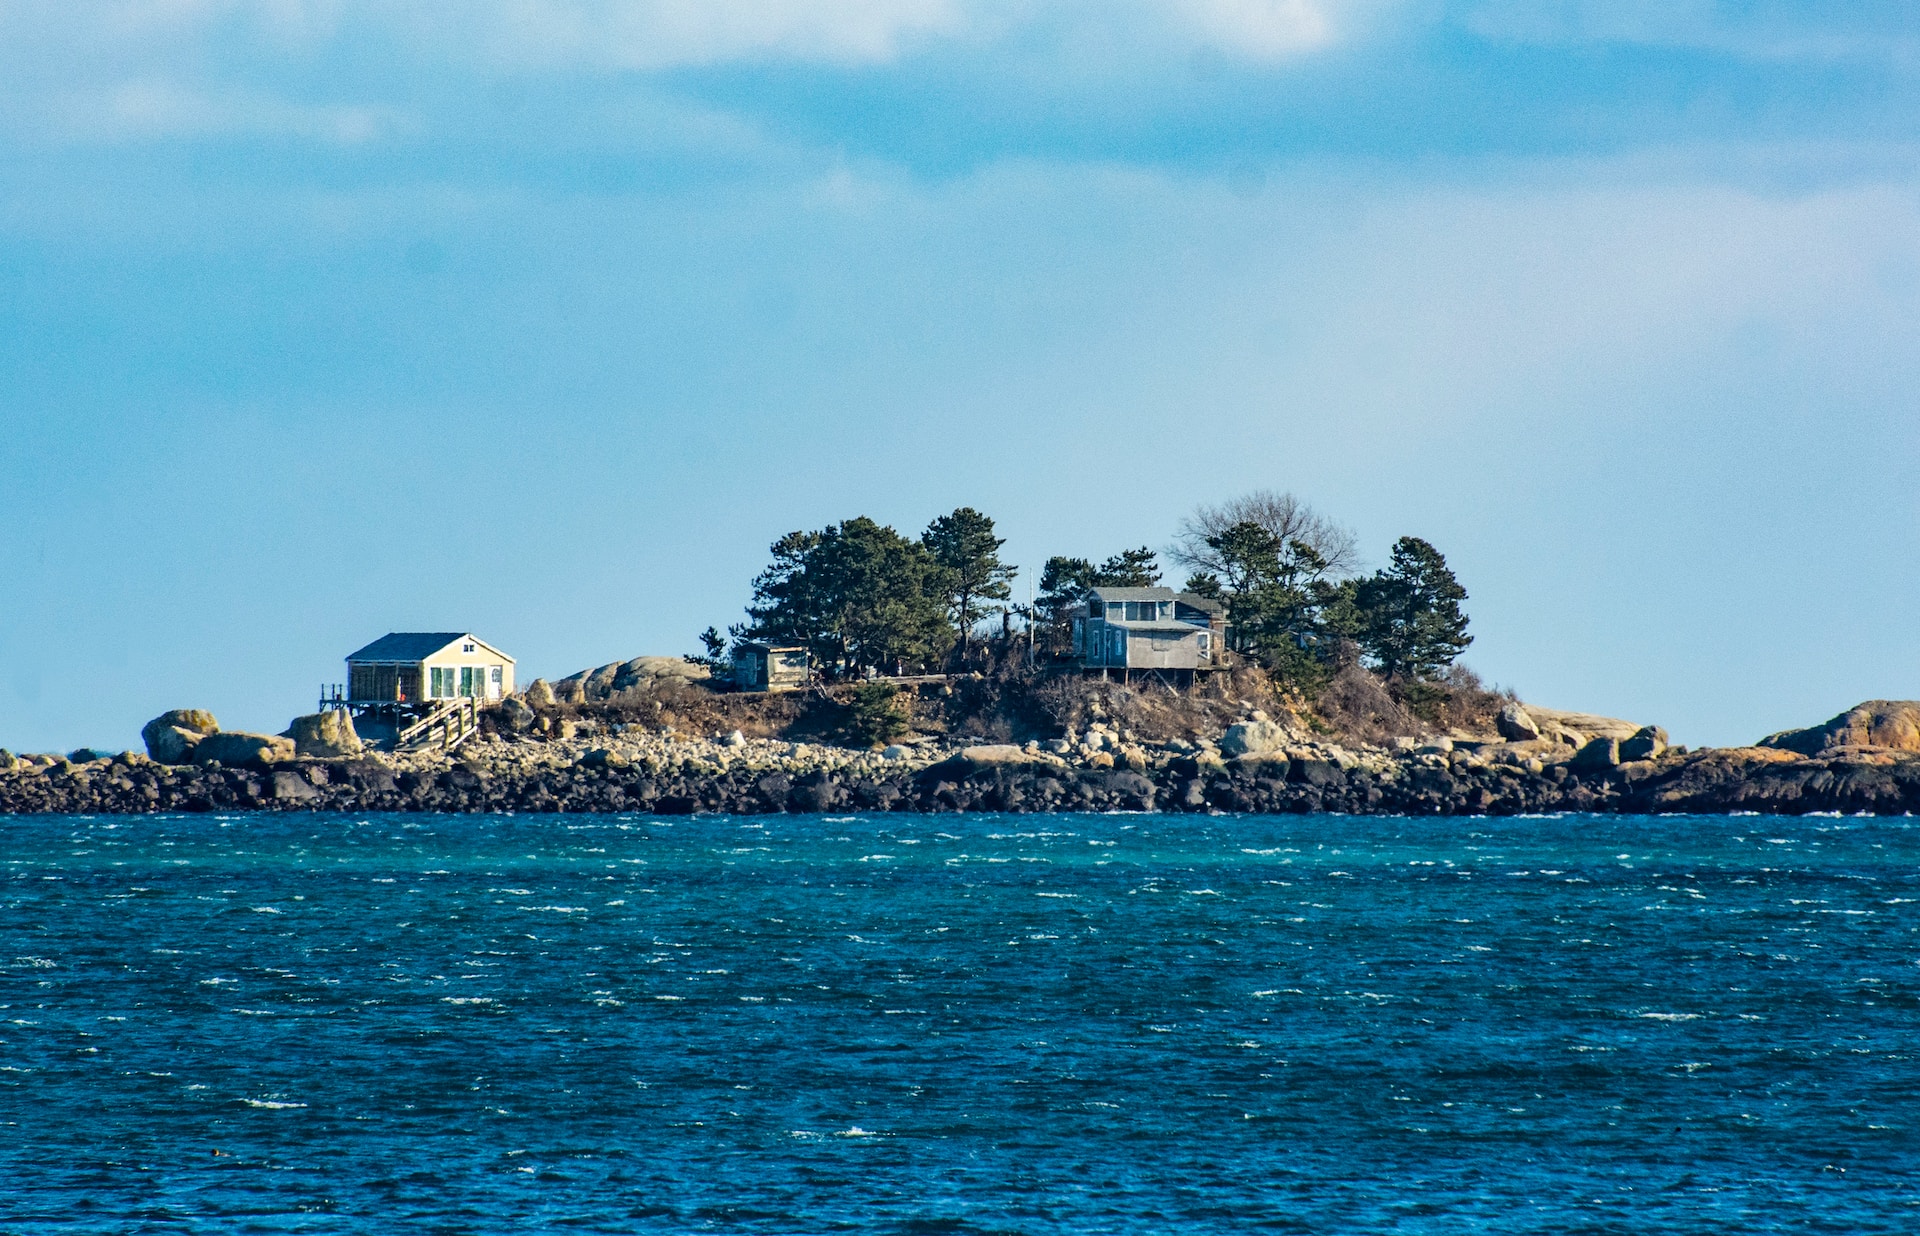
{"x": 767, "y": 667}
{"x": 407, "y": 667}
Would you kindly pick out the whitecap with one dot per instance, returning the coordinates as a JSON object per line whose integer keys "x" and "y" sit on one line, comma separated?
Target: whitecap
{"x": 1669, "y": 1016}
{"x": 271, "y": 1105}
{"x": 856, "y": 1131}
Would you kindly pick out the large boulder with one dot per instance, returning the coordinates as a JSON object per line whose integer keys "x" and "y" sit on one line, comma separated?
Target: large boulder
{"x": 1516, "y": 724}
{"x": 514, "y": 716}
{"x": 1890, "y": 725}
{"x": 1576, "y": 729}
{"x": 325, "y": 735}
{"x": 1598, "y": 753}
{"x": 1647, "y": 743}
{"x": 539, "y": 694}
{"x": 1006, "y": 755}
{"x": 172, "y": 736}
{"x": 641, "y": 673}
{"x": 235, "y": 747}
{"x": 1258, "y": 737}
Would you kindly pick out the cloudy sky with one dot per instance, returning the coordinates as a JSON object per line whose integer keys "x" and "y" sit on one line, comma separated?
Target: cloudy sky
{"x": 542, "y": 318}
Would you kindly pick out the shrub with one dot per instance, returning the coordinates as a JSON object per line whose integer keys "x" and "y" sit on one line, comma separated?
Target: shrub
{"x": 875, "y": 715}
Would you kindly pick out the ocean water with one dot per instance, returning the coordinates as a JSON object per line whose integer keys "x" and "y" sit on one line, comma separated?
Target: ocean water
{"x": 1118, "y": 1023}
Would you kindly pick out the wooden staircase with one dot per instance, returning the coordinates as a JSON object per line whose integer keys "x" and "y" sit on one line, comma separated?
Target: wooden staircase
{"x": 446, "y": 727}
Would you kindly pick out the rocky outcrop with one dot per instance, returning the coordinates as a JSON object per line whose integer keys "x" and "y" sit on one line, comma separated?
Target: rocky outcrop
{"x": 595, "y": 685}
{"x": 1577, "y": 729}
{"x": 1886, "y": 725}
{"x": 539, "y": 694}
{"x": 235, "y": 747}
{"x": 1516, "y": 724}
{"x": 172, "y": 736}
{"x": 326, "y": 735}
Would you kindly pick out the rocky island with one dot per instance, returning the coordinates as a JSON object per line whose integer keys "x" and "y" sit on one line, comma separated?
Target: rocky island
{"x": 550, "y": 757}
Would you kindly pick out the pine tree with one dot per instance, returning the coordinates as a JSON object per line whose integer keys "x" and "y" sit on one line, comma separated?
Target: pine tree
{"x": 1409, "y": 616}
{"x": 963, "y": 547}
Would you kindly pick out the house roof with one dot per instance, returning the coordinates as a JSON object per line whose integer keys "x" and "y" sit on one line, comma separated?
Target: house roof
{"x": 404, "y": 646}
{"x": 1168, "y": 626}
{"x": 1133, "y": 594}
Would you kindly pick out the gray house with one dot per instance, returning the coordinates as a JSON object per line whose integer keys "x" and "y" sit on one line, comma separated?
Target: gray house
{"x": 1173, "y": 635}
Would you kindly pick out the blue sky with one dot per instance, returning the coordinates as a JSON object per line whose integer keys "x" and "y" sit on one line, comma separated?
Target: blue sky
{"x": 542, "y": 318}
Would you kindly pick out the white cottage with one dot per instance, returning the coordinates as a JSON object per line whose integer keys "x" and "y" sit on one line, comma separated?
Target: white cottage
{"x": 415, "y": 667}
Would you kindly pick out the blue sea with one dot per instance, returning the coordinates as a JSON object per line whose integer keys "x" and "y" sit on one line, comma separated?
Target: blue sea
{"x": 958, "y": 1024}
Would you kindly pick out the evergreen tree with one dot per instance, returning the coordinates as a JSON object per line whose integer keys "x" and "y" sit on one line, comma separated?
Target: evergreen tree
{"x": 1409, "y": 616}
{"x": 963, "y": 547}
{"x": 1275, "y": 594}
{"x": 856, "y": 593}
{"x": 1063, "y": 584}
{"x": 1133, "y": 568}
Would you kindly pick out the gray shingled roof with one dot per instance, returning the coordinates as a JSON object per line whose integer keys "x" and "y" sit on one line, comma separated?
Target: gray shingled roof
{"x": 406, "y": 646}
{"x": 1133, "y": 594}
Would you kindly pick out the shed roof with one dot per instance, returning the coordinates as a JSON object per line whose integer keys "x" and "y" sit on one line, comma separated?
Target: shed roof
{"x": 1163, "y": 626}
{"x": 406, "y": 646}
{"x": 1133, "y": 594}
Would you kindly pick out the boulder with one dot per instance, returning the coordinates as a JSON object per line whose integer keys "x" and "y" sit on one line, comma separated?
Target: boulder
{"x": 1890, "y": 725}
{"x": 1583, "y": 725}
{"x": 237, "y": 747}
{"x": 514, "y": 716}
{"x": 89, "y": 755}
{"x": 894, "y": 752}
{"x": 170, "y": 737}
{"x": 1647, "y": 743}
{"x": 325, "y": 735}
{"x": 8, "y": 760}
{"x": 736, "y": 739}
{"x": 1258, "y": 737}
{"x": 1516, "y": 724}
{"x": 539, "y": 694}
{"x": 1005, "y": 754}
{"x": 1598, "y": 753}
{"x": 291, "y": 785}
{"x": 619, "y": 676}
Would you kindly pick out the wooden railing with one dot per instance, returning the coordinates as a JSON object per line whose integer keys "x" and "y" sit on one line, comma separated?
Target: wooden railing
{"x": 451, "y": 723}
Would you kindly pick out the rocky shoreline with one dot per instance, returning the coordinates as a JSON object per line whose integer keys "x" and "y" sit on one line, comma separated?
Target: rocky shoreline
{"x": 666, "y": 775}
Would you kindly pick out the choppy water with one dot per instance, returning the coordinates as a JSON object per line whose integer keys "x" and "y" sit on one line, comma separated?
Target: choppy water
{"x": 958, "y": 1024}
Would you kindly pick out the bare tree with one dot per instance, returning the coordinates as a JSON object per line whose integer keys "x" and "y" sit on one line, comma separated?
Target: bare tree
{"x": 1285, "y": 516}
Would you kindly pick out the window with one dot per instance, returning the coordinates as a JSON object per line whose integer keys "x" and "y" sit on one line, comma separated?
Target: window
{"x": 1096, "y": 608}
{"x": 466, "y": 681}
{"x": 436, "y": 683}
{"x": 466, "y": 648}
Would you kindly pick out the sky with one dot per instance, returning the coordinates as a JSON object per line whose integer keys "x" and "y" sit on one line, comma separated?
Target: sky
{"x": 542, "y": 319}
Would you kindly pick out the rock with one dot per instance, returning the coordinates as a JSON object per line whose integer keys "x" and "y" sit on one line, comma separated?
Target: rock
{"x": 566, "y": 728}
{"x": 1254, "y": 738}
{"x": 1598, "y": 753}
{"x": 231, "y": 748}
{"x": 1002, "y": 755}
{"x": 1100, "y": 759}
{"x": 89, "y": 755}
{"x": 8, "y": 760}
{"x": 736, "y": 739}
{"x": 639, "y": 674}
{"x": 514, "y": 716}
{"x": 291, "y": 785}
{"x": 894, "y": 752}
{"x": 325, "y": 735}
{"x": 1516, "y": 724}
{"x": 600, "y": 757}
{"x": 172, "y": 745}
{"x": 1585, "y": 725}
{"x": 1892, "y": 725}
{"x": 539, "y": 694}
{"x": 170, "y": 737}
{"x": 1132, "y": 758}
{"x": 1647, "y": 743}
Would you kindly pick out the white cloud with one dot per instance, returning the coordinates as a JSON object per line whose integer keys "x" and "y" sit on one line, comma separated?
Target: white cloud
{"x": 1260, "y": 29}
{"x": 149, "y": 108}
